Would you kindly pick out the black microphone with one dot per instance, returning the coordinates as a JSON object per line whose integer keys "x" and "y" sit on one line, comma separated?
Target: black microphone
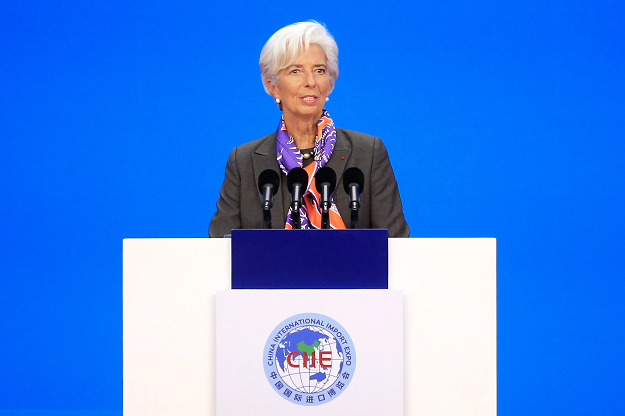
{"x": 354, "y": 184}
{"x": 325, "y": 182}
{"x": 268, "y": 184}
{"x": 297, "y": 180}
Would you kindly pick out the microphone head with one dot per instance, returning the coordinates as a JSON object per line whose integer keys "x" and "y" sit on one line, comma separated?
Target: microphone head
{"x": 269, "y": 176}
{"x": 325, "y": 174}
{"x": 354, "y": 175}
{"x": 297, "y": 175}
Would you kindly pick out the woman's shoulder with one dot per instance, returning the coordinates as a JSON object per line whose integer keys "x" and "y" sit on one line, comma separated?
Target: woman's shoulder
{"x": 362, "y": 145}
{"x": 357, "y": 139}
{"x": 264, "y": 145}
{"x": 356, "y": 135}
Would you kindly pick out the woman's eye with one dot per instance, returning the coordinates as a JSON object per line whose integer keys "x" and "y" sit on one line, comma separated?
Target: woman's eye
{"x": 321, "y": 71}
{"x": 295, "y": 71}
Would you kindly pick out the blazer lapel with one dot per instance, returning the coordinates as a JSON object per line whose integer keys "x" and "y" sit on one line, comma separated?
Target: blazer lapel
{"x": 340, "y": 156}
{"x": 338, "y": 161}
{"x": 264, "y": 157}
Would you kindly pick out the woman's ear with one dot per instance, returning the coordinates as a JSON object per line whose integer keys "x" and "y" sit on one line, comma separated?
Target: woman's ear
{"x": 273, "y": 89}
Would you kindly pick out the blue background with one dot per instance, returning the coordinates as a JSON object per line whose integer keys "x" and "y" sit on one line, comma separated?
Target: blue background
{"x": 502, "y": 119}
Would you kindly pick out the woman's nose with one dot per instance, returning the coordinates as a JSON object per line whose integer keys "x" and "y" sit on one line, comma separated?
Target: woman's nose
{"x": 310, "y": 79}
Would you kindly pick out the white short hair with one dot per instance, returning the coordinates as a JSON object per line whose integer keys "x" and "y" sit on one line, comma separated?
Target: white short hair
{"x": 284, "y": 47}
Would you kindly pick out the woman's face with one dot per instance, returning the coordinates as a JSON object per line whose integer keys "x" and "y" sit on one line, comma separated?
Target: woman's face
{"x": 303, "y": 87}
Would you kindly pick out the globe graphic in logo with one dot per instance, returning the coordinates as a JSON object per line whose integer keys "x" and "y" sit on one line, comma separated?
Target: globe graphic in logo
{"x": 309, "y": 359}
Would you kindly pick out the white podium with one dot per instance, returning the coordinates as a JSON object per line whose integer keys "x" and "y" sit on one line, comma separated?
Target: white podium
{"x": 450, "y": 342}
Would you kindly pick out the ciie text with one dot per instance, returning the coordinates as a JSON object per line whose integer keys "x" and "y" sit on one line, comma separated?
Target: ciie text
{"x": 324, "y": 356}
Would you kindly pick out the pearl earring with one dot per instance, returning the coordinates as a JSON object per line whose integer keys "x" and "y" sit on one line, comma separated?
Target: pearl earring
{"x": 277, "y": 101}
{"x": 327, "y": 98}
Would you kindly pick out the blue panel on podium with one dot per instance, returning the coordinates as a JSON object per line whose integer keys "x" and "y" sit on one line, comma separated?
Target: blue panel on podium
{"x": 309, "y": 259}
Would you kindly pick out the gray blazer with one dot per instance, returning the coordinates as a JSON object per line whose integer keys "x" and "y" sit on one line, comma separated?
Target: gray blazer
{"x": 239, "y": 203}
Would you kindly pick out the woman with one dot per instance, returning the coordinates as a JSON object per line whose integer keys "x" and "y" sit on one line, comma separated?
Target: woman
{"x": 299, "y": 65}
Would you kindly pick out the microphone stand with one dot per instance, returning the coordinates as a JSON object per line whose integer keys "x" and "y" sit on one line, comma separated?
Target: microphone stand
{"x": 296, "y": 179}
{"x": 297, "y": 220}
{"x": 353, "y": 221}
{"x": 267, "y": 196}
{"x": 354, "y": 198}
{"x": 267, "y": 219}
{"x": 268, "y": 184}
{"x": 353, "y": 183}
{"x": 326, "y": 197}
{"x": 325, "y": 183}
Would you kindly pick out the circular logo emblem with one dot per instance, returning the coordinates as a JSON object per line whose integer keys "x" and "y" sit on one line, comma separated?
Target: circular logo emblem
{"x": 309, "y": 359}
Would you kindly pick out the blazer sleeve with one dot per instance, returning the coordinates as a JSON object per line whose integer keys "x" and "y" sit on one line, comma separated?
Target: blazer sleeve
{"x": 228, "y": 215}
{"x": 386, "y": 207}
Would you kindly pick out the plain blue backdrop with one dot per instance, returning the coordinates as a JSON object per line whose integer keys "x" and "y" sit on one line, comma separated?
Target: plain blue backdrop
{"x": 502, "y": 119}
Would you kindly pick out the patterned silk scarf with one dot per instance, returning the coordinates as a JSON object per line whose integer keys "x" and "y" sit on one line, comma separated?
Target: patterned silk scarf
{"x": 289, "y": 157}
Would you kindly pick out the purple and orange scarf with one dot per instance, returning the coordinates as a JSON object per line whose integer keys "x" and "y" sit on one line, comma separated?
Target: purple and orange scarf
{"x": 289, "y": 157}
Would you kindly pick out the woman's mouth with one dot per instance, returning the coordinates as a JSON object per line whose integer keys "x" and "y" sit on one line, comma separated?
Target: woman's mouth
{"x": 309, "y": 99}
